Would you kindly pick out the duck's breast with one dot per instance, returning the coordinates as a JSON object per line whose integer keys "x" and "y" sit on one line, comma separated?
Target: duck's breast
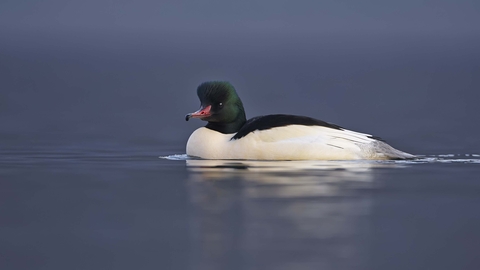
{"x": 209, "y": 144}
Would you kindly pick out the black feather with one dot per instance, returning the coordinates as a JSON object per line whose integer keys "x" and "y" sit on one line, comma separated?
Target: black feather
{"x": 279, "y": 120}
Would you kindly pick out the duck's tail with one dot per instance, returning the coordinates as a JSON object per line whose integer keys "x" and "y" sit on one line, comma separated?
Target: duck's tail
{"x": 381, "y": 150}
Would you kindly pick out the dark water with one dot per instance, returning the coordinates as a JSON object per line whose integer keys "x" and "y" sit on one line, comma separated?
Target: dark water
{"x": 84, "y": 120}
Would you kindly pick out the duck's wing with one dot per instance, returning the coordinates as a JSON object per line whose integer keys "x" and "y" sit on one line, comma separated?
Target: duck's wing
{"x": 308, "y": 134}
{"x": 267, "y": 122}
{"x": 339, "y": 138}
{"x": 281, "y": 126}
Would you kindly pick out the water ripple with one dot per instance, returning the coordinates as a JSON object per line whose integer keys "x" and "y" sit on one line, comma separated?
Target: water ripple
{"x": 441, "y": 158}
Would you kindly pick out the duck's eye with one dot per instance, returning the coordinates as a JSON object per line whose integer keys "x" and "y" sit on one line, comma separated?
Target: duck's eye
{"x": 220, "y": 104}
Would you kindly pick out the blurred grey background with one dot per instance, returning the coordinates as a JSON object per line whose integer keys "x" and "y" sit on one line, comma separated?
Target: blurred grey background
{"x": 126, "y": 71}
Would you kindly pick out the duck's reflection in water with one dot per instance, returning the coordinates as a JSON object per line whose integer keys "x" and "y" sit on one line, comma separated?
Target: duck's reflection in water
{"x": 280, "y": 215}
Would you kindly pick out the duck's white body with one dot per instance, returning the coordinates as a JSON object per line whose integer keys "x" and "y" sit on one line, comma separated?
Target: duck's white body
{"x": 292, "y": 142}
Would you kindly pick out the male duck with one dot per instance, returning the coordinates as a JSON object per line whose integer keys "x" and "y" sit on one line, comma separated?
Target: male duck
{"x": 228, "y": 134}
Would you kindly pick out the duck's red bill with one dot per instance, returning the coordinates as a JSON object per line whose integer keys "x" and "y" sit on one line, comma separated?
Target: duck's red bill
{"x": 201, "y": 113}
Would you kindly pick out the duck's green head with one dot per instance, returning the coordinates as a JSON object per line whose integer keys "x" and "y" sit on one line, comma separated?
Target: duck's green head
{"x": 220, "y": 106}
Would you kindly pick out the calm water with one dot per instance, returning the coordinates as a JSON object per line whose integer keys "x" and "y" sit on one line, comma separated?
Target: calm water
{"x": 93, "y": 176}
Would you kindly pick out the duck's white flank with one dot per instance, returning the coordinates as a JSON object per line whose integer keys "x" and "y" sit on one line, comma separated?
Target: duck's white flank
{"x": 293, "y": 142}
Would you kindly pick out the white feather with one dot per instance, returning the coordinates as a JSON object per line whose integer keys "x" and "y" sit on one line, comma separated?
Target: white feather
{"x": 293, "y": 142}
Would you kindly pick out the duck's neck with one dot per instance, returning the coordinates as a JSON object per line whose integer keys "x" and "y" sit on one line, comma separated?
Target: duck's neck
{"x": 230, "y": 127}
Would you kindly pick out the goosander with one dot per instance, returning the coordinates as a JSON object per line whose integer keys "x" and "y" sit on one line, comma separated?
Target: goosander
{"x": 228, "y": 134}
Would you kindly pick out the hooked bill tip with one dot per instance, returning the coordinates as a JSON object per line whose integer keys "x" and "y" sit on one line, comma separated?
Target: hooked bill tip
{"x": 187, "y": 117}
